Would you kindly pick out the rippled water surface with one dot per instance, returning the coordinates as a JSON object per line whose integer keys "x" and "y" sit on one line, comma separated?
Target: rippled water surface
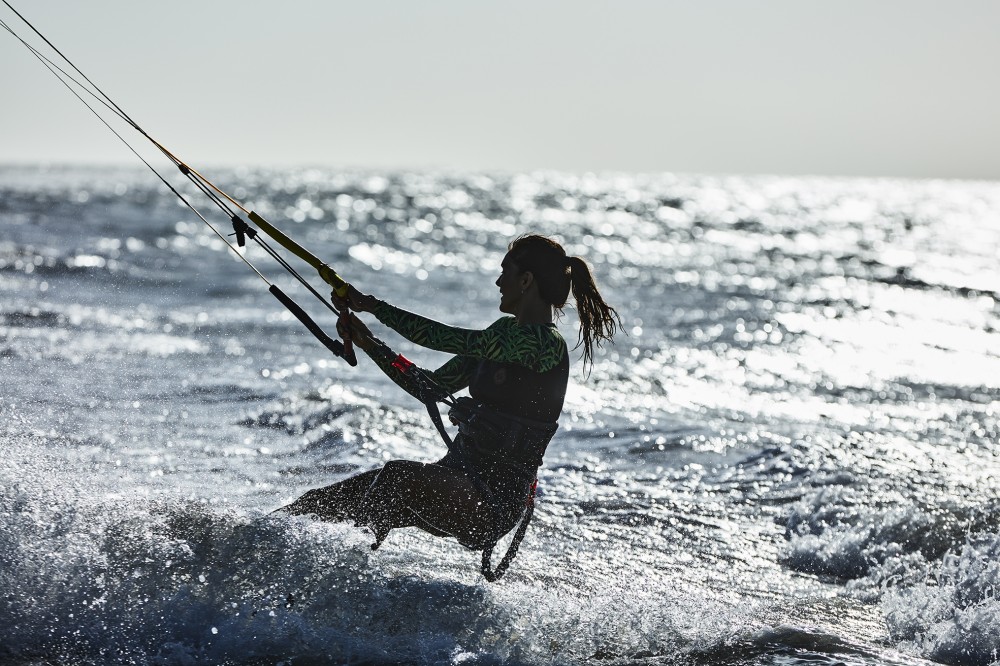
{"x": 791, "y": 458}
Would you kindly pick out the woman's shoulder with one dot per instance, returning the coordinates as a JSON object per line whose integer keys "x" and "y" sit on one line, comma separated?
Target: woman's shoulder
{"x": 503, "y": 323}
{"x": 546, "y": 333}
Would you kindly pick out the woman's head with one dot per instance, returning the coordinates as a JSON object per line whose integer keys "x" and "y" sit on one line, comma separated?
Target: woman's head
{"x": 555, "y": 274}
{"x": 546, "y": 260}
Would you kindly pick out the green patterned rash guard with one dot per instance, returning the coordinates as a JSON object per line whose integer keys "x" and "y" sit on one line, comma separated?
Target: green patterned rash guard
{"x": 517, "y": 369}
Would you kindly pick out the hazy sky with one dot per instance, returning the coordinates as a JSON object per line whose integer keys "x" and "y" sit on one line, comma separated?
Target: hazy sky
{"x": 844, "y": 87}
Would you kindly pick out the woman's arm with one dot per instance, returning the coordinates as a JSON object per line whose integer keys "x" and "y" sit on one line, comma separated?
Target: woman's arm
{"x": 536, "y": 347}
{"x": 453, "y": 376}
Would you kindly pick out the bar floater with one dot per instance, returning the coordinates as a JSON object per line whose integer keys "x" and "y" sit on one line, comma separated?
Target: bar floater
{"x": 336, "y": 346}
{"x": 325, "y": 272}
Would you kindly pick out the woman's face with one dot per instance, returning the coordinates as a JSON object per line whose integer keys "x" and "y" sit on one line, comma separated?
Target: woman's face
{"x": 509, "y": 282}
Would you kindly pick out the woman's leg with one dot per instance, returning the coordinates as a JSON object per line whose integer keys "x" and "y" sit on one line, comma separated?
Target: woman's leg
{"x": 438, "y": 499}
{"x": 337, "y": 502}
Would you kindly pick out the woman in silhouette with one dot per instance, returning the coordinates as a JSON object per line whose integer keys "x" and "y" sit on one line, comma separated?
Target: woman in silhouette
{"x": 516, "y": 371}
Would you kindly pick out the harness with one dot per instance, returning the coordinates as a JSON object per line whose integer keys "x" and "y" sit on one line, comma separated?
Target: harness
{"x": 497, "y": 439}
{"x": 490, "y": 438}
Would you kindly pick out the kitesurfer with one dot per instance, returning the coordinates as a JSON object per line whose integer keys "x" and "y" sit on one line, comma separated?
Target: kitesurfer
{"x": 516, "y": 371}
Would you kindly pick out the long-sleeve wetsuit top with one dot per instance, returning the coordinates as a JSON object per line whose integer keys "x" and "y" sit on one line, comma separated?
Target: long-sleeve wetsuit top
{"x": 518, "y": 369}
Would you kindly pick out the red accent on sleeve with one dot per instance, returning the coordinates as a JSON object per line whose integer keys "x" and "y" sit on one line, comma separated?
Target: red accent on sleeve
{"x": 402, "y": 364}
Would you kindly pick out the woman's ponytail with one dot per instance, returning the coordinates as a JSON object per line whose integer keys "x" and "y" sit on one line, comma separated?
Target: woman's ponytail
{"x": 598, "y": 320}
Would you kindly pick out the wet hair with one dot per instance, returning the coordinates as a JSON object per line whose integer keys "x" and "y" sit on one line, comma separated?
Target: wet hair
{"x": 556, "y": 273}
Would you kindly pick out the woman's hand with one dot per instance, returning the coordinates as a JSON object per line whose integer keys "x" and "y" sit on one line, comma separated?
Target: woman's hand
{"x": 355, "y": 300}
{"x": 356, "y": 331}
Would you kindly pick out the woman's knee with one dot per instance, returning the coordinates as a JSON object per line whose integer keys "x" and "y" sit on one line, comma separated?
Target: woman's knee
{"x": 396, "y": 471}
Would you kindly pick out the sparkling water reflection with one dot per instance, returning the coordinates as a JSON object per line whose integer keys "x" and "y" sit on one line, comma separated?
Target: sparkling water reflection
{"x": 791, "y": 458}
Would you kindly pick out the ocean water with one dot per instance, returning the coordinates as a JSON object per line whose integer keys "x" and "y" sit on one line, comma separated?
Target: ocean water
{"x": 790, "y": 458}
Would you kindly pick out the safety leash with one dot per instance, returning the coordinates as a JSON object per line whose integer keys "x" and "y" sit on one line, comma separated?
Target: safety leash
{"x": 494, "y": 574}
